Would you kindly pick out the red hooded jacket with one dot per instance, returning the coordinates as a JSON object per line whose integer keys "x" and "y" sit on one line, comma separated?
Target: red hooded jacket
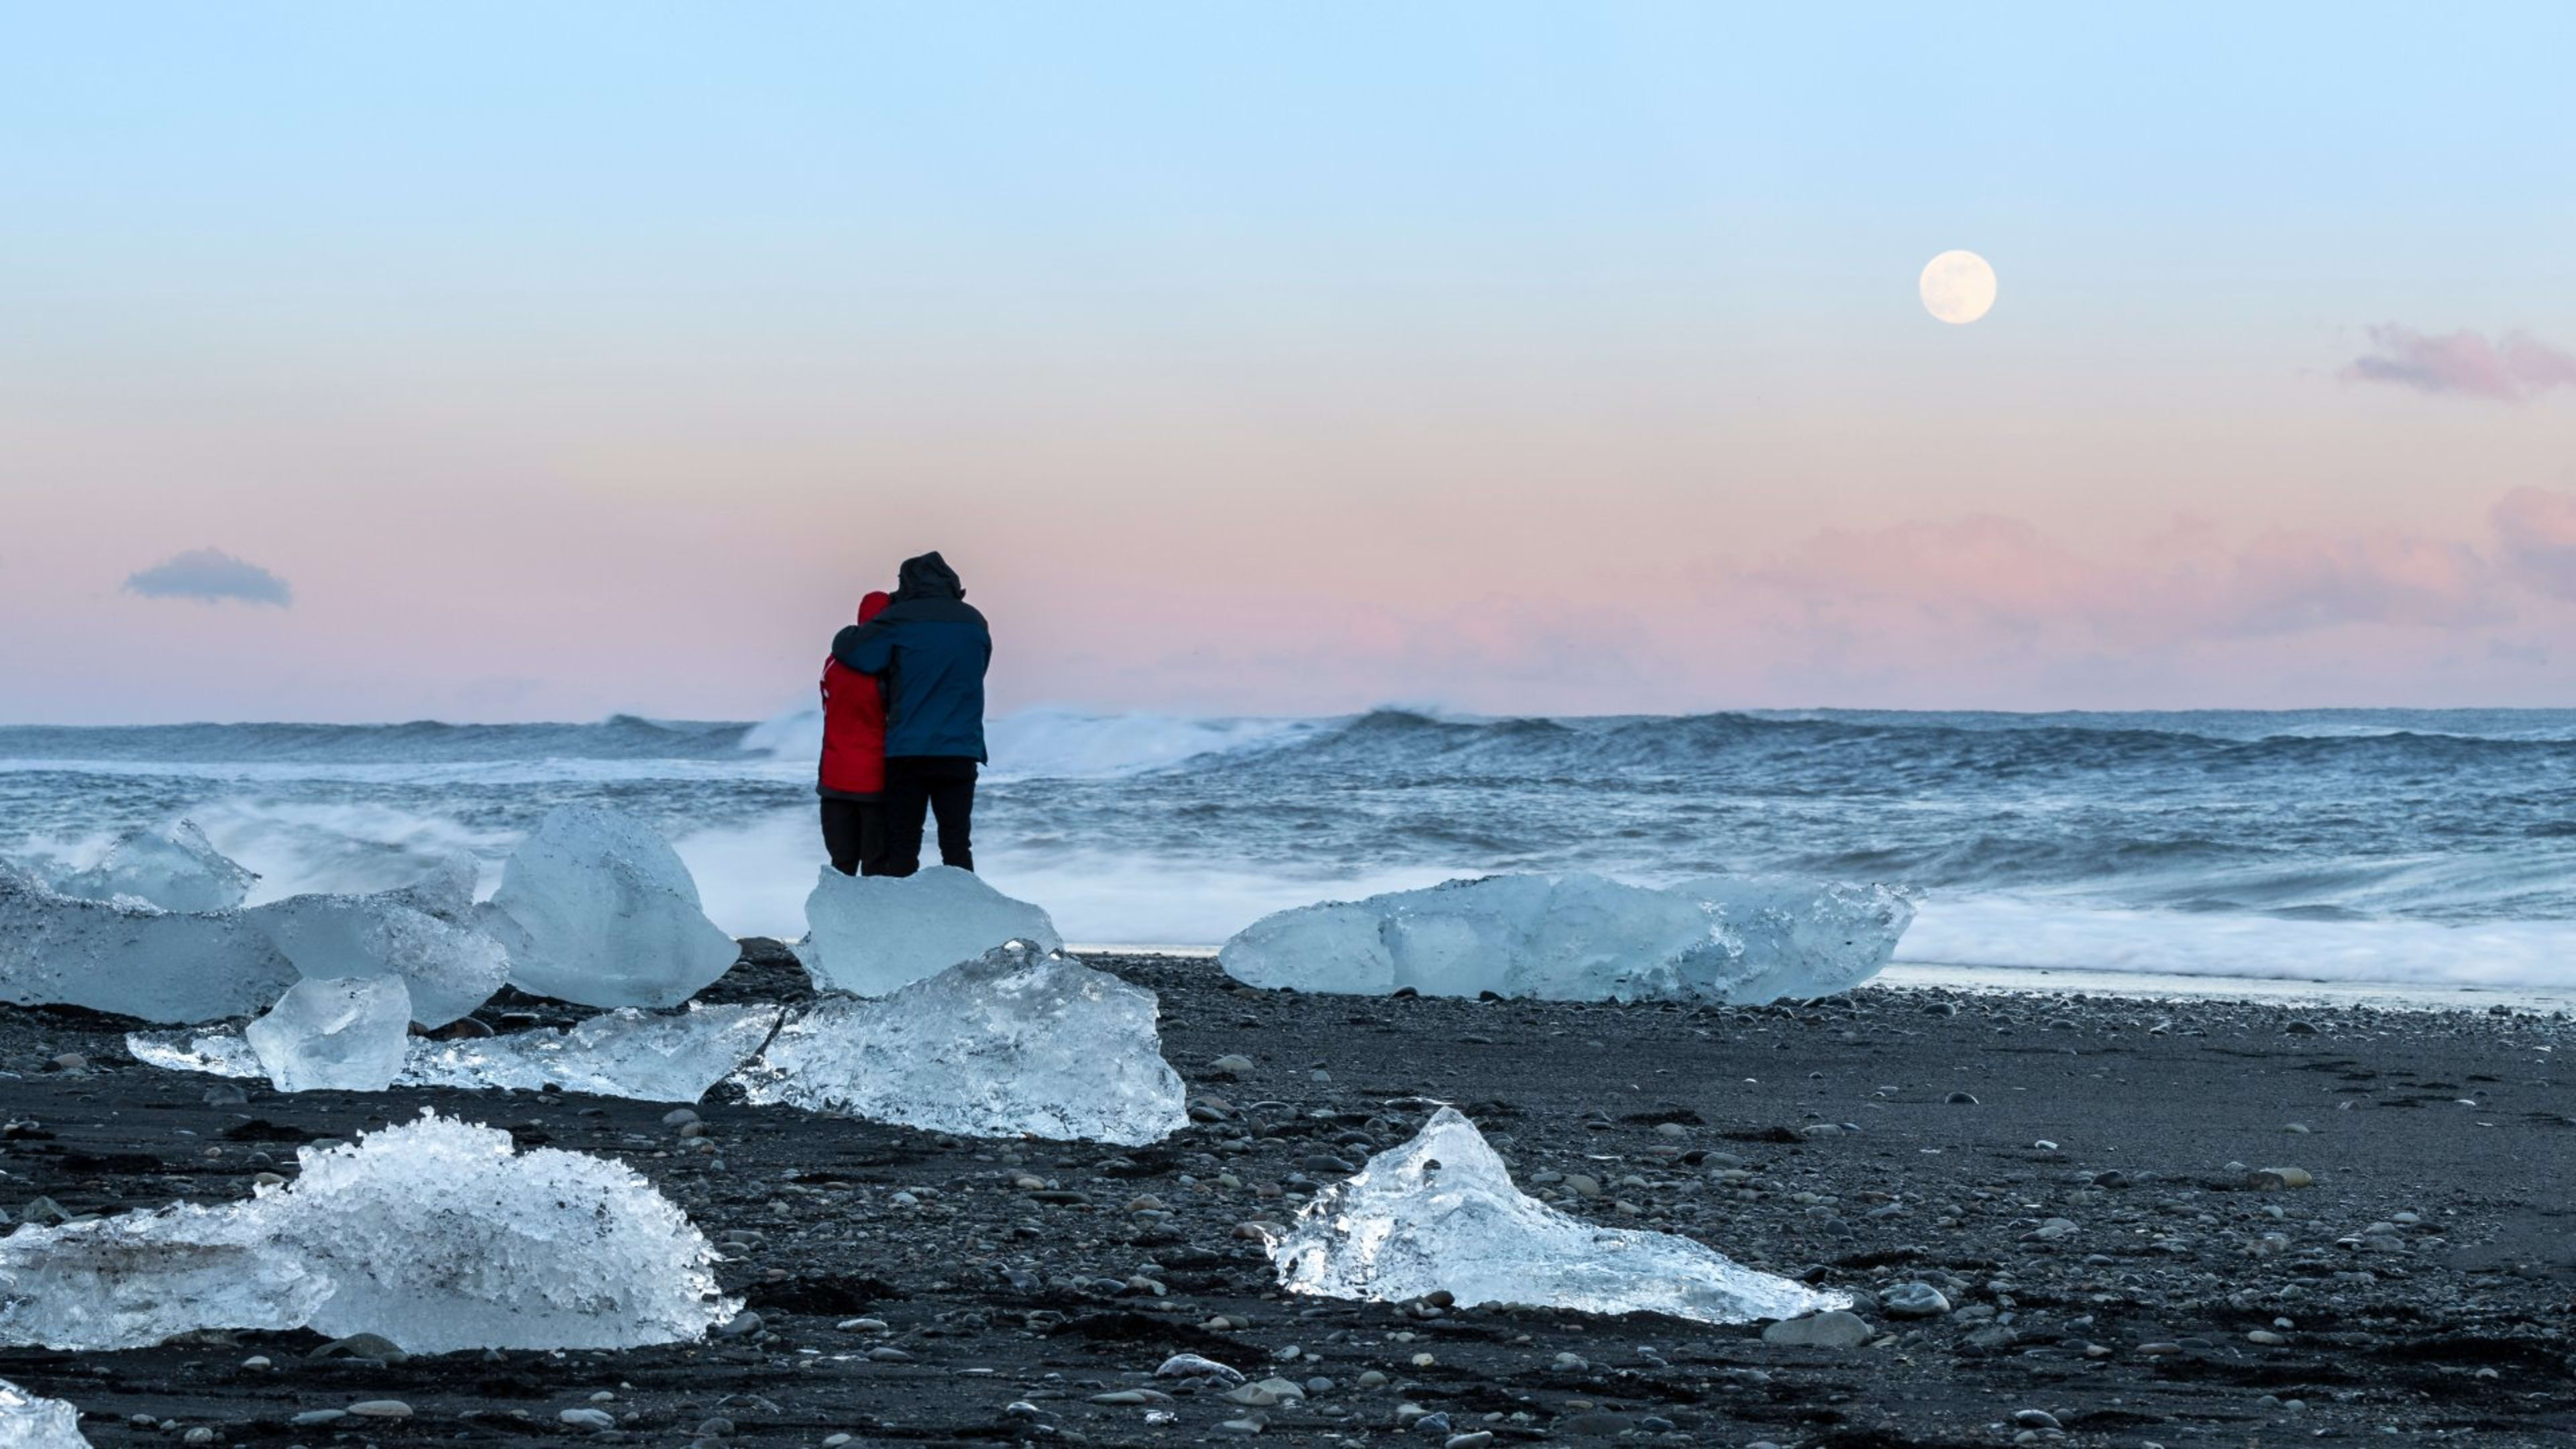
{"x": 854, "y": 722}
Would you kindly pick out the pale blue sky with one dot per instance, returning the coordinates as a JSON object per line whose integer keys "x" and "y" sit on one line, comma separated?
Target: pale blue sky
{"x": 497, "y": 326}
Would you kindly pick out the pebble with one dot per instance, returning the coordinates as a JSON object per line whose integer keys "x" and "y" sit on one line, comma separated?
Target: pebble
{"x": 2278, "y": 1179}
{"x": 1836, "y": 1328}
{"x": 741, "y": 1325}
{"x": 198, "y": 1435}
{"x": 1961, "y": 1099}
{"x": 587, "y": 1419}
{"x": 1232, "y": 1065}
{"x": 1913, "y": 1300}
{"x": 319, "y": 1416}
{"x": 1476, "y": 1440}
{"x": 381, "y": 1409}
{"x": 1191, "y": 1366}
{"x": 2036, "y": 1419}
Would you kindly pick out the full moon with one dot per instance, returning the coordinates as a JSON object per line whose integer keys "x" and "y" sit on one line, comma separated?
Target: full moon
{"x": 1958, "y": 286}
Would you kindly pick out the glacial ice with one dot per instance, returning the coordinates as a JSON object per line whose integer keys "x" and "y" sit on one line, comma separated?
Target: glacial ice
{"x": 1440, "y": 1214}
{"x": 445, "y": 894}
{"x": 596, "y": 908}
{"x": 132, "y": 1280}
{"x": 30, "y": 1422}
{"x": 132, "y": 959}
{"x": 219, "y": 1051}
{"x": 623, "y": 1053}
{"x": 175, "y": 868}
{"x": 346, "y": 1034}
{"x": 871, "y": 934}
{"x": 448, "y": 969}
{"x": 438, "y": 1235}
{"x": 1582, "y": 938}
{"x": 1018, "y": 1041}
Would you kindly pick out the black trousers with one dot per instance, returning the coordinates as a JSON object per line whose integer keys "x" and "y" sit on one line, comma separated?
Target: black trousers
{"x": 917, "y": 785}
{"x": 854, "y": 835}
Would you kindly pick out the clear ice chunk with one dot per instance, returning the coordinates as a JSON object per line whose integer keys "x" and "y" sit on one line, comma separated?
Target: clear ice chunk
{"x": 868, "y": 935}
{"x": 221, "y": 1052}
{"x": 596, "y": 908}
{"x": 1440, "y": 1214}
{"x": 438, "y": 1235}
{"x": 175, "y": 868}
{"x": 448, "y": 969}
{"x": 132, "y": 1280}
{"x": 132, "y": 959}
{"x": 1019, "y": 1041}
{"x": 347, "y": 1034}
{"x": 646, "y": 1056}
{"x": 623, "y": 1053}
{"x": 1582, "y": 938}
{"x": 28, "y": 1421}
{"x": 446, "y": 893}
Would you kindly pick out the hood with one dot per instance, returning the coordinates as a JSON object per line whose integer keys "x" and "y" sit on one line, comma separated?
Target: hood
{"x": 874, "y": 604}
{"x": 927, "y": 577}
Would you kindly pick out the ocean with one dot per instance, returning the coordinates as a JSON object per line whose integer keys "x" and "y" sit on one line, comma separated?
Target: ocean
{"x": 2410, "y": 848}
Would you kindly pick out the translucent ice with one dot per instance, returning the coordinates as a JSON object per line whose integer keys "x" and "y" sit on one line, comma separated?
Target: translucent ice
{"x": 1440, "y": 1214}
{"x": 449, "y": 970}
{"x": 220, "y": 1052}
{"x": 437, "y": 1235}
{"x": 1019, "y": 1041}
{"x": 176, "y": 868}
{"x": 347, "y": 1034}
{"x": 446, "y": 893}
{"x": 648, "y": 1056}
{"x": 440, "y": 1235}
{"x": 1582, "y": 938}
{"x": 29, "y": 1422}
{"x": 871, "y": 934}
{"x": 132, "y": 959}
{"x": 623, "y": 1053}
{"x": 133, "y": 1280}
{"x": 595, "y": 908}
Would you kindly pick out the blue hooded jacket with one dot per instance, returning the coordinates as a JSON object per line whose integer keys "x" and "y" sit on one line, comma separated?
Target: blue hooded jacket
{"x": 931, "y": 647}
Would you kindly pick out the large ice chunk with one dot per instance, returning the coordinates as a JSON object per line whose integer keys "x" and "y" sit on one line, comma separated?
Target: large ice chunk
{"x": 30, "y": 1422}
{"x": 437, "y": 1235}
{"x": 649, "y": 1056}
{"x": 132, "y": 959}
{"x": 623, "y": 1053}
{"x": 596, "y": 908}
{"x": 871, "y": 934}
{"x": 1440, "y": 1214}
{"x": 1018, "y": 1041}
{"x": 133, "y": 1280}
{"x": 347, "y": 1034}
{"x": 448, "y": 969}
{"x": 176, "y": 868}
{"x": 1582, "y": 938}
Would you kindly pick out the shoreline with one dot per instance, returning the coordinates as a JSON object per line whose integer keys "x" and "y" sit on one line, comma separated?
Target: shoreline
{"x": 2074, "y": 1177}
{"x": 2129, "y": 985}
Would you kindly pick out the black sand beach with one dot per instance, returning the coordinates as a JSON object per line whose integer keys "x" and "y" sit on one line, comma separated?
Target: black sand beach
{"x": 2076, "y": 1177}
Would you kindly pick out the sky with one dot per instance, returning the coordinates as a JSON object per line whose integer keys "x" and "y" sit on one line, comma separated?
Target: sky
{"x": 539, "y": 362}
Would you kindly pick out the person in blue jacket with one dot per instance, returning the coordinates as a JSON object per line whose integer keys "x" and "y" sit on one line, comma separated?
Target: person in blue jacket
{"x": 931, "y": 648}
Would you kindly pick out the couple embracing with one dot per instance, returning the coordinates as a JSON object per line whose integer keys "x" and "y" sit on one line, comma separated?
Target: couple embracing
{"x": 903, "y": 724}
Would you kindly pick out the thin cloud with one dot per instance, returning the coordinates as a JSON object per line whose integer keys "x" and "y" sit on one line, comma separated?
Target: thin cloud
{"x": 2511, "y": 368}
{"x": 2536, "y": 539}
{"x": 211, "y": 576}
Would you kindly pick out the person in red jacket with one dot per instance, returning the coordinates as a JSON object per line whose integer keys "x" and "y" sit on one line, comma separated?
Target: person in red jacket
{"x": 852, "y": 778}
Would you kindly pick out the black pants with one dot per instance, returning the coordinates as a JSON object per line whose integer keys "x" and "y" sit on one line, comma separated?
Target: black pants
{"x": 917, "y": 785}
{"x": 854, "y": 835}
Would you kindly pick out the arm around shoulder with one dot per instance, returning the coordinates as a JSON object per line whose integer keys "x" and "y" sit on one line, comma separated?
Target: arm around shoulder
{"x": 867, "y": 648}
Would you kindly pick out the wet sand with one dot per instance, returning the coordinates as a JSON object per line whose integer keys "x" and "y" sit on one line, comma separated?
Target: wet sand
{"x": 2423, "y": 1290}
